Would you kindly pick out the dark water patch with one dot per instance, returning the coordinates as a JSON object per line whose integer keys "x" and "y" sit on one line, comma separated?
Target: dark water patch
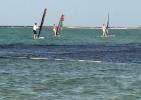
{"x": 130, "y": 53}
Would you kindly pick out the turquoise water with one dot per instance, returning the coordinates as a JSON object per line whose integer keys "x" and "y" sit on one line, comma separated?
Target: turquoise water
{"x": 70, "y": 36}
{"x": 81, "y": 65}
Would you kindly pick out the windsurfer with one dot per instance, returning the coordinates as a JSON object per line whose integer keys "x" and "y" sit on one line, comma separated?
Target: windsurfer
{"x": 54, "y": 28}
{"x": 35, "y": 27}
{"x": 104, "y": 30}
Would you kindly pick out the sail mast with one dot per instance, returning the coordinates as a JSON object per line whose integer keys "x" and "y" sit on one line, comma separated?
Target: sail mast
{"x": 42, "y": 21}
{"x": 107, "y": 22}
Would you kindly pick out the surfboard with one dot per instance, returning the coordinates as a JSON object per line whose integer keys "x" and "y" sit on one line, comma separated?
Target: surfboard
{"x": 41, "y": 37}
{"x": 42, "y": 22}
{"x": 111, "y": 35}
{"x": 106, "y": 36}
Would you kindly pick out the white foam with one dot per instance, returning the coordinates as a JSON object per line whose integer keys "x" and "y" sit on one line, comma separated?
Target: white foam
{"x": 70, "y": 60}
{"x": 90, "y": 61}
{"x": 59, "y": 59}
{"x": 94, "y": 61}
{"x": 20, "y": 57}
{"x": 38, "y": 58}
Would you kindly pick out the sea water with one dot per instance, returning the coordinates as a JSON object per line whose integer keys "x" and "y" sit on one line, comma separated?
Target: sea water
{"x": 78, "y": 65}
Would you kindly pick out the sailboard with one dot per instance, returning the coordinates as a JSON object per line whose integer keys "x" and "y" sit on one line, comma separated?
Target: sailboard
{"x": 41, "y": 24}
{"x": 60, "y": 25}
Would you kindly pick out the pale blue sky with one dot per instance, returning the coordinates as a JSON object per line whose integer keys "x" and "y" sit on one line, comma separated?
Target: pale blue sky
{"x": 77, "y": 12}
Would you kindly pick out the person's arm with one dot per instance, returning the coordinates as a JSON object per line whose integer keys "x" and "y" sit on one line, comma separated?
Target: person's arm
{"x": 37, "y": 27}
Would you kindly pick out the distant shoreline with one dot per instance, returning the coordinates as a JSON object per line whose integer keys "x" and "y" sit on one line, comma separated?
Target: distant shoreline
{"x": 73, "y": 27}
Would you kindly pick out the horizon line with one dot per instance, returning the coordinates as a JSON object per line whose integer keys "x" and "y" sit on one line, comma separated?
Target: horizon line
{"x": 71, "y": 27}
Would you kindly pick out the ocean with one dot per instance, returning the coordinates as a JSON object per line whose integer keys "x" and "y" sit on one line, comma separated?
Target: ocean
{"x": 78, "y": 65}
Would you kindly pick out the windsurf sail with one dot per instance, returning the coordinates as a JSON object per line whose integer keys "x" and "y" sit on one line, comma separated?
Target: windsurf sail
{"x": 107, "y": 22}
{"x": 42, "y": 21}
{"x": 107, "y": 26}
{"x": 60, "y": 25}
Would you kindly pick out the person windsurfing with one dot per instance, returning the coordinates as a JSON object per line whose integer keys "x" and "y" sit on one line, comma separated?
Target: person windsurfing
{"x": 104, "y": 31}
{"x": 35, "y": 27}
{"x": 54, "y": 28}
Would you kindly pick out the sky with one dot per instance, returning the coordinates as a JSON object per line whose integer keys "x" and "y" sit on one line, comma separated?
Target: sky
{"x": 77, "y": 12}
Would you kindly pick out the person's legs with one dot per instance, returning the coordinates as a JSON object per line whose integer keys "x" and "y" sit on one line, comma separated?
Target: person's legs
{"x": 54, "y": 31}
{"x": 34, "y": 34}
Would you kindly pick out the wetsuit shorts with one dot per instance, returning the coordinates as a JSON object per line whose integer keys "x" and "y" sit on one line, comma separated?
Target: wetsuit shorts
{"x": 34, "y": 32}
